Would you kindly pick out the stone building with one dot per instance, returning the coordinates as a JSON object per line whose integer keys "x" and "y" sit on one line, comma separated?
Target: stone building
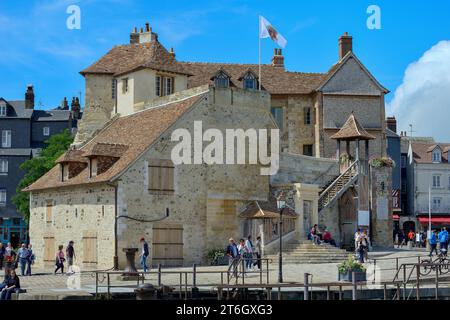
{"x": 117, "y": 182}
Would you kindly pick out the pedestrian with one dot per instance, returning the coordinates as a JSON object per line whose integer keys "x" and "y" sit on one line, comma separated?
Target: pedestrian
{"x": 242, "y": 250}
{"x": 443, "y": 240}
{"x": 356, "y": 239}
{"x": 233, "y": 255}
{"x": 432, "y": 240}
{"x": 366, "y": 244}
{"x": 249, "y": 258}
{"x": 5, "y": 279}
{"x": 418, "y": 239}
{"x": 10, "y": 257}
{"x": 23, "y": 258}
{"x": 258, "y": 251}
{"x": 401, "y": 239}
{"x": 144, "y": 254}
{"x": 30, "y": 259}
{"x": 411, "y": 236}
{"x": 424, "y": 239}
{"x": 60, "y": 259}
{"x": 70, "y": 255}
{"x": 315, "y": 235}
{"x": 12, "y": 285}
{"x": 328, "y": 239}
{"x": 2, "y": 254}
{"x": 360, "y": 248}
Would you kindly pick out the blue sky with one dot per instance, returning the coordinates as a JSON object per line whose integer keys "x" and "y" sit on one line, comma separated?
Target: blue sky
{"x": 36, "y": 47}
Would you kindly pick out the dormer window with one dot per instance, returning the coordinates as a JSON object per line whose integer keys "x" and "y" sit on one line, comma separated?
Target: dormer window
{"x": 2, "y": 109}
{"x": 93, "y": 167}
{"x": 65, "y": 172}
{"x": 249, "y": 81}
{"x": 437, "y": 155}
{"x": 222, "y": 80}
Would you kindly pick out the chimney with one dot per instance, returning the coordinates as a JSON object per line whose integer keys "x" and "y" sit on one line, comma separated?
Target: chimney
{"x": 277, "y": 59}
{"x": 64, "y": 104}
{"x": 345, "y": 45}
{"x": 75, "y": 108}
{"x": 29, "y": 97}
{"x": 134, "y": 36}
{"x": 172, "y": 53}
{"x": 391, "y": 123}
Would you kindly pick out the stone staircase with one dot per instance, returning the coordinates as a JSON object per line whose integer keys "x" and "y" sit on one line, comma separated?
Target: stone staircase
{"x": 336, "y": 188}
{"x": 305, "y": 252}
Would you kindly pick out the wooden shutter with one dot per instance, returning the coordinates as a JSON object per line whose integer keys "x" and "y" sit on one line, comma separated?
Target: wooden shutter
{"x": 90, "y": 249}
{"x": 154, "y": 173}
{"x": 161, "y": 175}
{"x": 167, "y": 248}
{"x": 49, "y": 249}
{"x": 49, "y": 213}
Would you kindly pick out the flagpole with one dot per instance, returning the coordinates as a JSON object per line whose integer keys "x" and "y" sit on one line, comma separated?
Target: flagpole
{"x": 259, "y": 52}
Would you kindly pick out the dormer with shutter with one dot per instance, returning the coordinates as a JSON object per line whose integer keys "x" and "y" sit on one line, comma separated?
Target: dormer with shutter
{"x": 102, "y": 156}
{"x": 72, "y": 163}
{"x": 221, "y": 79}
{"x": 249, "y": 80}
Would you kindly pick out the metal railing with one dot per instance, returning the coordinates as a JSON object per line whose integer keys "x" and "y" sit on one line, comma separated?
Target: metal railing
{"x": 185, "y": 280}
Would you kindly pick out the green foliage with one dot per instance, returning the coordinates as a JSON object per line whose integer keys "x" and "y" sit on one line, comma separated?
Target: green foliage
{"x": 38, "y": 166}
{"x": 350, "y": 265}
{"x": 382, "y": 162}
{"x": 215, "y": 253}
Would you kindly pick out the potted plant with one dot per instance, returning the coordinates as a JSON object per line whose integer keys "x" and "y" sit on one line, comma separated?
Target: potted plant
{"x": 217, "y": 257}
{"x": 349, "y": 266}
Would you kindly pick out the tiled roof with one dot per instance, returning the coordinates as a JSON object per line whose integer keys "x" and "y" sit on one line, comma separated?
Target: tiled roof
{"x": 275, "y": 80}
{"x": 72, "y": 156}
{"x": 265, "y": 210}
{"x": 352, "y": 130}
{"x": 126, "y": 58}
{"x": 105, "y": 149}
{"x": 422, "y": 151}
{"x": 51, "y": 115}
{"x": 137, "y": 131}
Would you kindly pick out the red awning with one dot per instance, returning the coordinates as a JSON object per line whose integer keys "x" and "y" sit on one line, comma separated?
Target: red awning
{"x": 395, "y": 217}
{"x": 434, "y": 220}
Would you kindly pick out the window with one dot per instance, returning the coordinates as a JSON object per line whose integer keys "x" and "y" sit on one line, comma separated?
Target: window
{"x": 125, "y": 85}
{"x": 3, "y": 166}
{"x": 437, "y": 157}
{"x": 2, "y": 110}
{"x": 94, "y": 166}
{"x": 308, "y": 150}
{"x": 249, "y": 81}
{"x": 436, "y": 203}
{"x": 436, "y": 181}
{"x": 46, "y": 131}
{"x": 2, "y": 197}
{"x": 161, "y": 175}
{"x": 277, "y": 113}
{"x": 114, "y": 88}
{"x": 164, "y": 86}
{"x": 222, "y": 80}
{"x": 403, "y": 161}
{"x": 307, "y": 115}
{"x": 6, "y": 138}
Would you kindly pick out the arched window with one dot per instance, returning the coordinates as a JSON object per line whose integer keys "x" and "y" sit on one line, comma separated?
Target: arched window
{"x": 437, "y": 156}
{"x": 249, "y": 81}
{"x": 222, "y": 80}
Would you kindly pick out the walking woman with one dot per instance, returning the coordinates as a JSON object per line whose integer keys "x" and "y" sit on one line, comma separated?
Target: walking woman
{"x": 60, "y": 259}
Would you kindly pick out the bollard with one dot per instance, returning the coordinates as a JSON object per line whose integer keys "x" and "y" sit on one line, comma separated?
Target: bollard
{"x": 159, "y": 275}
{"x": 354, "y": 286}
{"x": 194, "y": 275}
{"x": 305, "y": 288}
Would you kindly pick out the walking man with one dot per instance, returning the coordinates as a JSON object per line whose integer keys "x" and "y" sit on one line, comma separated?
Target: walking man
{"x": 249, "y": 259}
{"x": 70, "y": 254}
{"x": 443, "y": 240}
{"x": 433, "y": 242}
{"x": 30, "y": 259}
{"x": 23, "y": 258}
{"x": 258, "y": 252}
{"x": 144, "y": 254}
{"x": 232, "y": 253}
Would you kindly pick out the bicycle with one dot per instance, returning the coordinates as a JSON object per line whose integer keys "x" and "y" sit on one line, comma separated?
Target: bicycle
{"x": 440, "y": 262}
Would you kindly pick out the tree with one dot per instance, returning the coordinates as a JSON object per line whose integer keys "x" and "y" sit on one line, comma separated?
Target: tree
{"x": 38, "y": 166}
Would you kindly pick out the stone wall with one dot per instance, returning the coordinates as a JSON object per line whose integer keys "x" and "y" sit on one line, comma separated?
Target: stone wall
{"x": 77, "y": 212}
{"x": 382, "y": 224}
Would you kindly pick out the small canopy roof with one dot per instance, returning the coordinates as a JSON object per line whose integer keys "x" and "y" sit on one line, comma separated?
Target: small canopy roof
{"x": 72, "y": 156}
{"x": 266, "y": 210}
{"x": 352, "y": 130}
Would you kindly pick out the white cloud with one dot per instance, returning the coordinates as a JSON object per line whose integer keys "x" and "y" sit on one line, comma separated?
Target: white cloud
{"x": 423, "y": 99}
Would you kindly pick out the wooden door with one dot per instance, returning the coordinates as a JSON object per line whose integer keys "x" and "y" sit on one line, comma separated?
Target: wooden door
{"x": 167, "y": 248}
{"x": 49, "y": 249}
{"x": 90, "y": 249}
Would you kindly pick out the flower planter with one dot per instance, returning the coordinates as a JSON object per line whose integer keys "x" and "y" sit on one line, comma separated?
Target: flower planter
{"x": 348, "y": 276}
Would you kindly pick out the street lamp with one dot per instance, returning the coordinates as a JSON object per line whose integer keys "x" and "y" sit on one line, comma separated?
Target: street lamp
{"x": 281, "y": 204}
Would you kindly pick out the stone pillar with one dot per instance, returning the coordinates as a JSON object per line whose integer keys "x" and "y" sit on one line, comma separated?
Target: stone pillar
{"x": 381, "y": 213}
{"x": 306, "y": 192}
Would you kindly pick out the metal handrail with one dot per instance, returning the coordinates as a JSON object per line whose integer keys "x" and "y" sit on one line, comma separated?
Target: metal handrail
{"x": 337, "y": 179}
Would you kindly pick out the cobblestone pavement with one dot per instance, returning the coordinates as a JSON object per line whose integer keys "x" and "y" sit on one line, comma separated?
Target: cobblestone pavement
{"x": 53, "y": 286}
